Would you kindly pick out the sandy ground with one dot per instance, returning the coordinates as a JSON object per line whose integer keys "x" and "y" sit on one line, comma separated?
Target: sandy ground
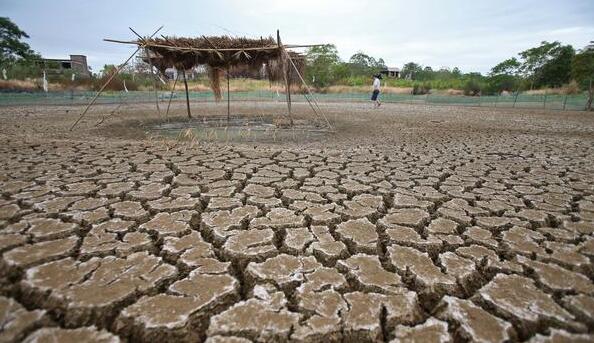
{"x": 409, "y": 223}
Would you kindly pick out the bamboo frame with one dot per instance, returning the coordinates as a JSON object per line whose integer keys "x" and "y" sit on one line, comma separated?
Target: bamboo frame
{"x": 269, "y": 48}
{"x": 285, "y": 68}
{"x": 187, "y": 94}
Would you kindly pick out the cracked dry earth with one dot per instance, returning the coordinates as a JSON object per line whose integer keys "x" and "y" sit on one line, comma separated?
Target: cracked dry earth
{"x": 441, "y": 239}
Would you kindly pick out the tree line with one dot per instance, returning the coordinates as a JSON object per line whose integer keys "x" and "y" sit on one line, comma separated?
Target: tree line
{"x": 549, "y": 65}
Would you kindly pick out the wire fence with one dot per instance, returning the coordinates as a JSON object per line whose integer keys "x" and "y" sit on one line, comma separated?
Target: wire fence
{"x": 548, "y": 102}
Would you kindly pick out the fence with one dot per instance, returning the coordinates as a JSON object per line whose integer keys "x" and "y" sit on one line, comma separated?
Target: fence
{"x": 549, "y": 102}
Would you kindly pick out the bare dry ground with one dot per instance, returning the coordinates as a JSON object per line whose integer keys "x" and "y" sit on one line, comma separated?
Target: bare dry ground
{"x": 411, "y": 223}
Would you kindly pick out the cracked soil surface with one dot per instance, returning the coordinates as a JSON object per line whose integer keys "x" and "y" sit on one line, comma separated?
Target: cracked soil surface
{"x": 410, "y": 224}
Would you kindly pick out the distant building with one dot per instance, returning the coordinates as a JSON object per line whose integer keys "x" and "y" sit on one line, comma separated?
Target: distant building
{"x": 391, "y": 72}
{"x": 76, "y": 64}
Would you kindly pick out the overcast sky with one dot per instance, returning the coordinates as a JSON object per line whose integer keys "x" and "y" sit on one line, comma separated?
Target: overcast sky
{"x": 472, "y": 35}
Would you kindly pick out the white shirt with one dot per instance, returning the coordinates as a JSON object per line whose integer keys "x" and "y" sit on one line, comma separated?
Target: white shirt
{"x": 376, "y": 83}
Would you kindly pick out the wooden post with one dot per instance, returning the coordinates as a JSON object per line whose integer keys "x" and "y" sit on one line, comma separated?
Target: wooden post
{"x": 285, "y": 72}
{"x": 154, "y": 75}
{"x": 171, "y": 96}
{"x": 187, "y": 94}
{"x": 228, "y": 98}
{"x": 289, "y": 91}
{"x": 516, "y": 98}
{"x": 116, "y": 72}
{"x": 311, "y": 101}
{"x": 564, "y": 102}
{"x": 590, "y": 96}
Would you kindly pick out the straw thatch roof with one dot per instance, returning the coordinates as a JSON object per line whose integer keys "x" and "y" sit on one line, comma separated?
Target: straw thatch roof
{"x": 220, "y": 53}
{"x": 214, "y": 51}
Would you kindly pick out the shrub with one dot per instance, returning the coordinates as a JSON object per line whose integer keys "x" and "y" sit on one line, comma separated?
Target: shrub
{"x": 472, "y": 88}
{"x": 420, "y": 89}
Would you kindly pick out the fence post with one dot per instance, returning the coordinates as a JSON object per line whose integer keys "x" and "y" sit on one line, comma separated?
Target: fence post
{"x": 564, "y": 102}
{"x": 544, "y": 104}
{"x": 496, "y": 100}
{"x": 516, "y": 98}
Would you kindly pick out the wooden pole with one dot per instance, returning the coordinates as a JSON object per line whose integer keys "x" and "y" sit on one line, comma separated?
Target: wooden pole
{"x": 116, "y": 72}
{"x": 148, "y": 56}
{"x": 171, "y": 96}
{"x": 228, "y": 98}
{"x": 289, "y": 91}
{"x": 310, "y": 93}
{"x": 119, "y": 68}
{"x": 590, "y": 96}
{"x": 181, "y": 48}
{"x": 564, "y": 102}
{"x": 285, "y": 72}
{"x": 187, "y": 93}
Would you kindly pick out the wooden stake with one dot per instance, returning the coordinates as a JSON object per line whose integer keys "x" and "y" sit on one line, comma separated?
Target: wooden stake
{"x": 171, "y": 96}
{"x": 228, "y": 98}
{"x": 285, "y": 72}
{"x": 148, "y": 56}
{"x": 310, "y": 93}
{"x": 116, "y": 72}
{"x": 187, "y": 94}
{"x": 288, "y": 78}
{"x": 590, "y": 96}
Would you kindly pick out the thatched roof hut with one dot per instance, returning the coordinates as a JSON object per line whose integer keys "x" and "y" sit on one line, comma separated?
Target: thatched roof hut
{"x": 222, "y": 53}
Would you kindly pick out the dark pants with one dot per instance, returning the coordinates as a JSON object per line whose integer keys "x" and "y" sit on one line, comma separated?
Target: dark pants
{"x": 375, "y": 94}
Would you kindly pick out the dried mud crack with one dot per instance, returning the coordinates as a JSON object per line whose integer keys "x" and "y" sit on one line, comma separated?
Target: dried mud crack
{"x": 392, "y": 231}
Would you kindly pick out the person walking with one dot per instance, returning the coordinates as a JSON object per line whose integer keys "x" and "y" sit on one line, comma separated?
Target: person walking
{"x": 376, "y": 90}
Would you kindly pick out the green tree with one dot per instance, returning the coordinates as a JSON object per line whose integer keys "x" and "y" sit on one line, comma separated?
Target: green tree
{"x": 510, "y": 66}
{"x": 323, "y": 64}
{"x": 582, "y": 70}
{"x": 411, "y": 70}
{"x": 362, "y": 64}
{"x": 504, "y": 76}
{"x": 381, "y": 64}
{"x": 12, "y": 47}
{"x": 548, "y": 64}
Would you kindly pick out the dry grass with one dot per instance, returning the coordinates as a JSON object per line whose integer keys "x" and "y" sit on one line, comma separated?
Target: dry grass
{"x": 235, "y": 85}
{"x": 571, "y": 88}
{"x": 452, "y": 91}
{"x": 30, "y": 86}
{"x": 18, "y": 85}
{"x": 367, "y": 89}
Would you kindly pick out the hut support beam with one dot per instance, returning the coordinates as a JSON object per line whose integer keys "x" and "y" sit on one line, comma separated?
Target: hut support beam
{"x": 310, "y": 94}
{"x": 187, "y": 93}
{"x": 171, "y": 96}
{"x": 285, "y": 72}
{"x": 146, "y": 51}
{"x": 116, "y": 72}
{"x": 228, "y": 98}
